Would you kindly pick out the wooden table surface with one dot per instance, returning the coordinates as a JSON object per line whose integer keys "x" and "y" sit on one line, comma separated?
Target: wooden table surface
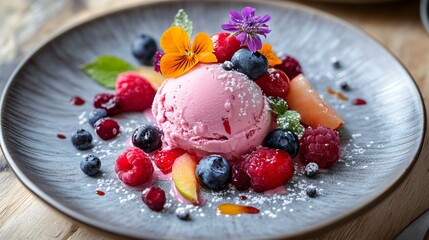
{"x": 26, "y": 23}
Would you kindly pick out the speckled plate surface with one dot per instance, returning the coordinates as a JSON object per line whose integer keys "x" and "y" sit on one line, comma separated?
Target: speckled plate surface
{"x": 380, "y": 141}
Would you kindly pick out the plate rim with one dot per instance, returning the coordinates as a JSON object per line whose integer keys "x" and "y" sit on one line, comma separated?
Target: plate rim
{"x": 325, "y": 227}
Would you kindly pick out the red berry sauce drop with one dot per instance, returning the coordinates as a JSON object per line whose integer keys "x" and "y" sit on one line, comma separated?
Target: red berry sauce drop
{"x": 226, "y": 125}
{"x": 243, "y": 198}
{"x": 61, "y": 136}
{"x": 100, "y": 193}
{"x": 77, "y": 101}
{"x": 358, "y": 101}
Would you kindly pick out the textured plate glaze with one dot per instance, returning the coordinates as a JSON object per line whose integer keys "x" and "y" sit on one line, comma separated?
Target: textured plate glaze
{"x": 380, "y": 140}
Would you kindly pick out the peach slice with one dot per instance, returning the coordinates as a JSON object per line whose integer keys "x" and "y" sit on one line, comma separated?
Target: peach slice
{"x": 313, "y": 109}
{"x": 155, "y": 78}
{"x": 185, "y": 178}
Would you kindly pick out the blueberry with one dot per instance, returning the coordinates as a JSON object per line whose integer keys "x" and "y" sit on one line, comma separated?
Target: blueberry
{"x": 227, "y": 65}
{"x": 253, "y": 64}
{"x": 144, "y": 49}
{"x": 90, "y": 165}
{"x": 147, "y": 138}
{"x": 284, "y": 140}
{"x": 344, "y": 86}
{"x": 311, "y": 191}
{"x": 82, "y": 139}
{"x": 311, "y": 169}
{"x": 335, "y": 62}
{"x": 214, "y": 172}
{"x": 96, "y": 115}
{"x": 182, "y": 213}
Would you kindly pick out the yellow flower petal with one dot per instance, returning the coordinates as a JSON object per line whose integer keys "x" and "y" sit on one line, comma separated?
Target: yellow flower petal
{"x": 202, "y": 43}
{"x": 175, "y": 64}
{"x": 267, "y": 51}
{"x": 206, "y": 57}
{"x": 179, "y": 56}
{"x": 175, "y": 40}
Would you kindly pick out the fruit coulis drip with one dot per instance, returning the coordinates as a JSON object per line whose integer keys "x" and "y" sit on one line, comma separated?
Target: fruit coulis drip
{"x": 226, "y": 125}
{"x": 359, "y": 101}
{"x": 76, "y": 100}
{"x": 235, "y": 209}
{"x": 61, "y": 136}
{"x": 339, "y": 95}
{"x": 255, "y": 87}
{"x": 100, "y": 193}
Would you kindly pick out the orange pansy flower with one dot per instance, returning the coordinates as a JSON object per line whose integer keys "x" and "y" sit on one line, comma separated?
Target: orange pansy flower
{"x": 180, "y": 56}
{"x": 267, "y": 51}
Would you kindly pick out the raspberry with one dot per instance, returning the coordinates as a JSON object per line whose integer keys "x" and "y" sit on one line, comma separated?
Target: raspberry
{"x": 320, "y": 145}
{"x": 225, "y": 45}
{"x": 274, "y": 83}
{"x": 240, "y": 180}
{"x": 111, "y": 103}
{"x": 133, "y": 167}
{"x": 154, "y": 199}
{"x": 135, "y": 92}
{"x": 164, "y": 159}
{"x": 290, "y": 66}
{"x": 268, "y": 168}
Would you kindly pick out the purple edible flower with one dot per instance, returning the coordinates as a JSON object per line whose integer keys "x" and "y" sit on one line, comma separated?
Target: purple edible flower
{"x": 246, "y": 27}
{"x": 157, "y": 61}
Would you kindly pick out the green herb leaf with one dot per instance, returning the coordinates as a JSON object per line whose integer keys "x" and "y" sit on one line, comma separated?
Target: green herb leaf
{"x": 290, "y": 120}
{"x": 182, "y": 20}
{"x": 104, "y": 69}
{"x": 278, "y": 105}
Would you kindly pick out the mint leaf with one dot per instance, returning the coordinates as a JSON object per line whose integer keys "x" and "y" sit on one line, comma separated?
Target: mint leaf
{"x": 104, "y": 69}
{"x": 182, "y": 20}
{"x": 290, "y": 120}
{"x": 278, "y": 105}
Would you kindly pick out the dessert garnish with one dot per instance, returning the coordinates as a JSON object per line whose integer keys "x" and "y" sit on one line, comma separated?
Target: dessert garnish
{"x": 311, "y": 191}
{"x": 311, "y": 169}
{"x": 82, "y": 139}
{"x": 267, "y": 51}
{"x": 90, "y": 165}
{"x": 289, "y": 120}
{"x": 154, "y": 198}
{"x": 247, "y": 27}
{"x": 104, "y": 69}
{"x": 180, "y": 56}
{"x": 229, "y": 114}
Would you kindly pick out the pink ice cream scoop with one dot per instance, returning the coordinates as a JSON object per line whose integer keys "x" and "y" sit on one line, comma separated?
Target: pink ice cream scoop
{"x": 210, "y": 110}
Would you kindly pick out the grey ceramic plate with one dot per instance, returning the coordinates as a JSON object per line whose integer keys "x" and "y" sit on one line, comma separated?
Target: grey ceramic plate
{"x": 380, "y": 141}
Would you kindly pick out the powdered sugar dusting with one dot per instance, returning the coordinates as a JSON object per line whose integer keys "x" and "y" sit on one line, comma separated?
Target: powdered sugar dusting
{"x": 247, "y": 91}
{"x": 272, "y": 204}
